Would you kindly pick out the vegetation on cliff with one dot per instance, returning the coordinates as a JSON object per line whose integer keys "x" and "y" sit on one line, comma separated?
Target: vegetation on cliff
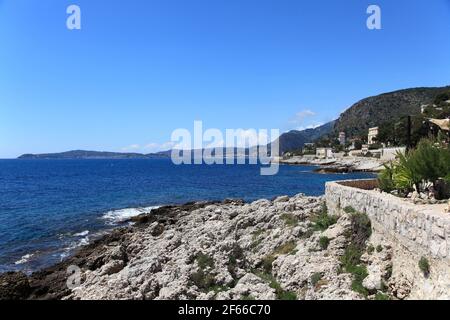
{"x": 425, "y": 168}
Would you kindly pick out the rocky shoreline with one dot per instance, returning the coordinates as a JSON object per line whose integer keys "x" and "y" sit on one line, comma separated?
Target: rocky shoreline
{"x": 287, "y": 248}
{"x": 342, "y": 165}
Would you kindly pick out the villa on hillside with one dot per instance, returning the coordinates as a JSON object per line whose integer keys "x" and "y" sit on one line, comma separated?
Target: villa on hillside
{"x": 342, "y": 138}
{"x": 371, "y": 137}
{"x": 324, "y": 153}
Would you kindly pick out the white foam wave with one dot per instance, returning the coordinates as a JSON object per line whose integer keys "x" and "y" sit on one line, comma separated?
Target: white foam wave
{"x": 24, "y": 259}
{"x": 117, "y": 216}
{"x": 74, "y": 245}
{"x": 81, "y": 234}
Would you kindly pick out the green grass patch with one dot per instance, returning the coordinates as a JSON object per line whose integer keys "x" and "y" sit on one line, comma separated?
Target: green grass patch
{"x": 350, "y": 210}
{"x": 361, "y": 230}
{"x": 424, "y": 266}
{"x": 289, "y": 219}
{"x": 351, "y": 263}
{"x": 323, "y": 221}
{"x": 274, "y": 284}
{"x": 204, "y": 261}
{"x": 286, "y": 248}
{"x": 257, "y": 233}
{"x": 266, "y": 263}
{"x": 324, "y": 242}
{"x": 359, "y": 274}
{"x": 218, "y": 288}
{"x": 382, "y": 296}
{"x": 203, "y": 280}
{"x": 315, "y": 278}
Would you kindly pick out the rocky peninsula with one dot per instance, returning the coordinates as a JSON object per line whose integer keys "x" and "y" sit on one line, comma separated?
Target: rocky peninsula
{"x": 287, "y": 248}
{"x": 338, "y": 165}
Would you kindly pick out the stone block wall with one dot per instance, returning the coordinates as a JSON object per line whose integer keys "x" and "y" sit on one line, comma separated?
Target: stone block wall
{"x": 413, "y": 231}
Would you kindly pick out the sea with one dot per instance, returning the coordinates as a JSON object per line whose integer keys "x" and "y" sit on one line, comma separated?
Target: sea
{"x": 50, "y": 208}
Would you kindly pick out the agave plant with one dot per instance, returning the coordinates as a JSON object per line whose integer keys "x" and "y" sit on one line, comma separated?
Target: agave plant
{"x": 385, "y": 180}
{"x": 426, "y": 167}
{"x": 405, "y": 177}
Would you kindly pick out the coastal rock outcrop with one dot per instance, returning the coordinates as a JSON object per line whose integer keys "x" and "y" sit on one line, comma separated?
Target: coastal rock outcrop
{"x": 288, "y": 248}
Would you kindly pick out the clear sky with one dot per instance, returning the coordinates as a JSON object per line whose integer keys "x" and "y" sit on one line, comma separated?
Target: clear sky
{"x": 138, "y": 69}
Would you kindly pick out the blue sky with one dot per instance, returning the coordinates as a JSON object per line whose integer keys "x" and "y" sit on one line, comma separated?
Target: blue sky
{"x": 139, "y": 69}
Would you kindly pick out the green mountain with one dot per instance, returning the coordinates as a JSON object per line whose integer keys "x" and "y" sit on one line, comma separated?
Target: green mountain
{"x": 295, "y": 139}
{"x": 387, "y": 107}
{"x": 367, "y": 113}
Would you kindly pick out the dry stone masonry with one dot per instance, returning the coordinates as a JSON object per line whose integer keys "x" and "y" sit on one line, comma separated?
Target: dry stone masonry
{"x": 412, "y": 231}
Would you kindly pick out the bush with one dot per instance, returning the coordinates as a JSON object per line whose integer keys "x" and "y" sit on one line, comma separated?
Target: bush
{"x": 429, "y": 162}
{"x": 323, "y": 221}
{"x": 324, "y": 242}
{"x": 361, "y": 230}
{"x": 359, "y": 274}
{"x": 382, "y": 296}
{"x": 274, "y": 284}
{"x": 351, "y": 259}
{"x": 315, "y": 278}
{"x": 267, "y": 263}
{"x": 349, "y": 210}
{"x": 204, "y": 261}
{"x": 424, "y": 266}
{"x": 385, "y": 180}
{"x": 379, "y": 248}
{"x": 289, "y": 219}
{"x": 287, "y": 248}
{"x": 203, "y": 280}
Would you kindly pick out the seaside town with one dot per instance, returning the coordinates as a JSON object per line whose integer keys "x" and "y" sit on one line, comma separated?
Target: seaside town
{"x": 371, "y": 152}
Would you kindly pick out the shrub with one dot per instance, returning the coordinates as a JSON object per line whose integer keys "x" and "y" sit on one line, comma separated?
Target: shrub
{"x": 289, "y": 219}
{"x": 315, "y": 278}
{"x": 349, "y": 210}
{"x": 274, "y": 284}
{"x": 267, "y": 263}
{"x": 385, "y": 180}
{"x": 424, "y": 266}
{"x": 257, "y": 233}
{"x": 286, "y": 248}
{"x": 204, "y": 261}
{"x": 388, "y": 273}
{"x": 379, "y": 248}
{"x": 361, "y": 230}
{"x": 429, "y": 162}
{"x": 351, "y": 258}
{"x": 323, "y": 221}
{"x": 203, "y": 280}
{"x": 324, "y": 242}
{"x": 359, "y": 274}
{"x": 370, "y": 249}
{"x": 235, "y": 258}
{"x": 382, "y": 296}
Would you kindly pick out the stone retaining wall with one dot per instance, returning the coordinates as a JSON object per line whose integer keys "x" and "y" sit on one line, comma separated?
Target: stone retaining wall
{"x": 413, "y": 231}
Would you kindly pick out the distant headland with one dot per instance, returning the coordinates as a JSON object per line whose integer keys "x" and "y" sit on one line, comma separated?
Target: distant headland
{"x": 83, "y": 154}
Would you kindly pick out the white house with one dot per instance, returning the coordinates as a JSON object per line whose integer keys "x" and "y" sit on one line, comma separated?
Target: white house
{"x": 324, "y": 153}
{"x": 373, "y": 133}
{"x": 342, "y": 138}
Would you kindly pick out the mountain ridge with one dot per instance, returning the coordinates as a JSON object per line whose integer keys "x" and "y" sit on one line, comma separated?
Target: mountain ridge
{"x": 355, "y": 121}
